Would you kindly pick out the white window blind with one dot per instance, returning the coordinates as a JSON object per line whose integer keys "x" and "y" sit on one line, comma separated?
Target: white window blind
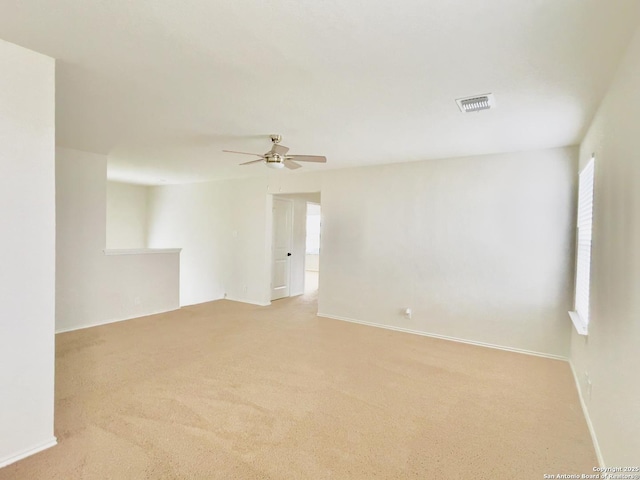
{"x": 583, "y": 261}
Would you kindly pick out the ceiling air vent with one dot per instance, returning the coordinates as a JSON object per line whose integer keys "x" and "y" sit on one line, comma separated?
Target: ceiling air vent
{"x": 477, "y": 103}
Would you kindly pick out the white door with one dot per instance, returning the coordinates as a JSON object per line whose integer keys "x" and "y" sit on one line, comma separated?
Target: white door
{"x": 281, "y": 247}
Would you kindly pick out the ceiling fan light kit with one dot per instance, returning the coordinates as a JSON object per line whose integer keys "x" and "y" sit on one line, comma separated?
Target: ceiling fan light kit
{"x": 277, "y": 157}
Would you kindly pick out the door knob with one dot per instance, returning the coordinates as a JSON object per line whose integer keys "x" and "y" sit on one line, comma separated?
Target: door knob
{"x": 289, "y": 254}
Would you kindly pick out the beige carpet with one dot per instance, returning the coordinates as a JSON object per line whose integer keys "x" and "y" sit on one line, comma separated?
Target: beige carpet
{"x": 231, "y": 391}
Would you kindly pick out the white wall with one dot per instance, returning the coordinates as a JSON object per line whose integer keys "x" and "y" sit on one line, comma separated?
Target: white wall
{"x": 27, "y": 252}
{"x": 221, "y": 229}
{"x": 224, "y": 229}
{"x": 126, "y": 215}
{"x": 480, "y": 248}
{"x": 195, "y": 217}
{"x": 610, "y": 352}
{"x": 93, "y": 288}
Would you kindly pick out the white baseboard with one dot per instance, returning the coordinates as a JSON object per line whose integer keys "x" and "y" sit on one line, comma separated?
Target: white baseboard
{"x": 445, "y": 337}
{"x": 28, "y": 452}
{"x": 585, "y": 411}
{"x": 107, "y": 322}
{"x": 260, "y": 304}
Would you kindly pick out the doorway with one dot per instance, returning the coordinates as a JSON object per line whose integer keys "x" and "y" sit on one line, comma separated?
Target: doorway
{"x": 295, "y": 244}
{"x": 312, "y": 250}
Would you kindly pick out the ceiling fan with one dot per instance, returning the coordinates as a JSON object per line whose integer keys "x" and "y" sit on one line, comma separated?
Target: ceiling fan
{"x": 277, "y": 157}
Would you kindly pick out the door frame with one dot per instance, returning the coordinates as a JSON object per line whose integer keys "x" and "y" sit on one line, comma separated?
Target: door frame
{"x": 312, "y": 196}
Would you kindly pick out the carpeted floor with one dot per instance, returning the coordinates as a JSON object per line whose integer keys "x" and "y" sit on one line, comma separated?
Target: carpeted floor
{"x": 225, "y": 390}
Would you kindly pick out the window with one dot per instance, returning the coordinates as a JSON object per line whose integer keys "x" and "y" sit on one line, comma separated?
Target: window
{"x": 580, "y": 316}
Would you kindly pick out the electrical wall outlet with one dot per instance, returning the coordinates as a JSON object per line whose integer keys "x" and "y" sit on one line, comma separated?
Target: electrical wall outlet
{"x": 408, "y": 313}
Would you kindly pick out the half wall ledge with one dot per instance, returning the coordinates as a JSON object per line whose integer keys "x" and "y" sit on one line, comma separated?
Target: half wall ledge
{"x": 140, "y": 251}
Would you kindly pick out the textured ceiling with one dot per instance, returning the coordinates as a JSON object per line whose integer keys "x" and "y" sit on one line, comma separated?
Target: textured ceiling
{"x": 162, "y": 87}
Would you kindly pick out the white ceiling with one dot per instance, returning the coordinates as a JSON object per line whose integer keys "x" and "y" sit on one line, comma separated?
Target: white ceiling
{"x": 162, "y": 86}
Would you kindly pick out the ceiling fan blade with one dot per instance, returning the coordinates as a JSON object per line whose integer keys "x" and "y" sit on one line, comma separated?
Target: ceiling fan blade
{"x": 252, "y": 161}
{"x": 242, "y": 153}
{"x": 291, "y": 165}
{"x": 307, "y": 158}
{"x": 279, "y": 149}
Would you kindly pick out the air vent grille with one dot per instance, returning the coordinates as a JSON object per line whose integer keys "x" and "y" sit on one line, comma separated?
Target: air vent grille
{"x": 476, "y": 103}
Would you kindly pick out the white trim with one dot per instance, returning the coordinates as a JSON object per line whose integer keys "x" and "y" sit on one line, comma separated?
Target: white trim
{"x": 52, "y": 442}
{"x": 579, "y": 323}
{"x": 260, "y": 304}
{"x": 446, "y": 337}
{"x": 139, "y": 251}
{"x": 585, "y": 411}
{"x": 107, "y": 322}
